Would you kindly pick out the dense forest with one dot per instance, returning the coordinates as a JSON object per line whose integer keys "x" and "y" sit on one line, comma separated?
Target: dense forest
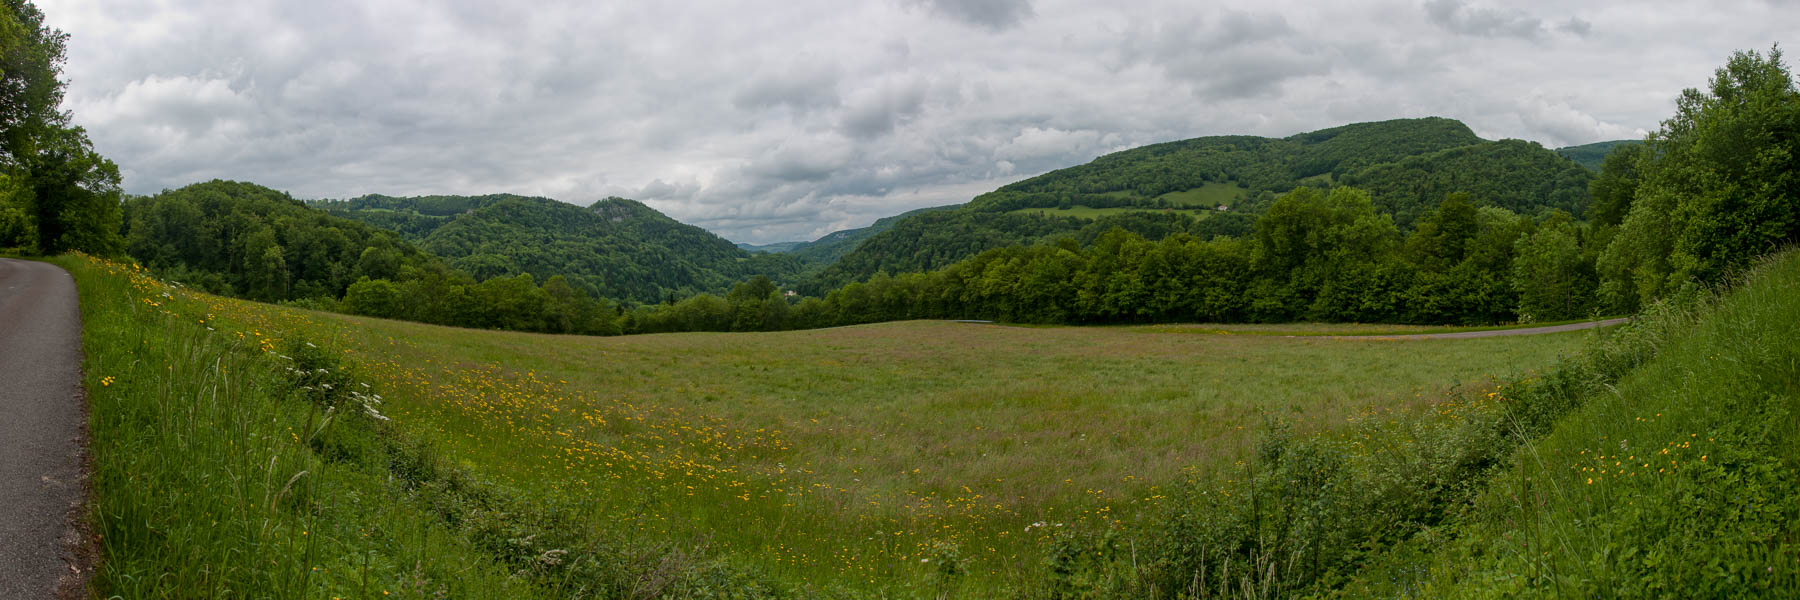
{"x": 1407, "y": 165}
{"x": 413, "y": 217}
{"x": 938, "y": 239}
{"x": 245, "y": 240}
{"x": 616, "y": 248}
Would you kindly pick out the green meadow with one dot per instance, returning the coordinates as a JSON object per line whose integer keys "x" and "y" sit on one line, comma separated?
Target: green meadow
{"x": 844, "y": 460}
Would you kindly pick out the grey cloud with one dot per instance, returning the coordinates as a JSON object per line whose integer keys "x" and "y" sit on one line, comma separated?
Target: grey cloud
{"x": 1238, "y": 55}
{"x": 991, "y": 14}
{"x": 801, "y": 87}
{"x": 811, "y": 162}
{"x": 1459, "y": 16}
{"x": 877, "y": 113}
{"x": 1576, "y": 26}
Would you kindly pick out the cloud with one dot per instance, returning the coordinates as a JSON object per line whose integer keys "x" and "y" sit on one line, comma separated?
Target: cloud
{"x": 876, "y": 112}
{"x": 787, "y": 120}
{"x": 1235, "y": 55}
{"x": 1035, "y": 143}
{"x": 1559, "y": 124}
{"x": 994, "y": 15}
{"x": 1576, "y": 26}
{"x": 801, "y": 87}
{"x": 1462, "y": 17}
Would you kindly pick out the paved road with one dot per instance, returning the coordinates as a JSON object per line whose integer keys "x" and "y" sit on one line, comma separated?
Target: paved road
{"x": 41, "y": 433}
{"x": 1492, "y": 332}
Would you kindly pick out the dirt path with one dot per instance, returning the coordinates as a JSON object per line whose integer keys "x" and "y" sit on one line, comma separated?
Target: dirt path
{"x": 1488, "y": 333}
{"x": 41, "y": 431}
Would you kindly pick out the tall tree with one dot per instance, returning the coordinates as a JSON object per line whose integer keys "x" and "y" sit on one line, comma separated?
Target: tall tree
{"x": 67, "y": 191}
{"x": 1721, "y": 183}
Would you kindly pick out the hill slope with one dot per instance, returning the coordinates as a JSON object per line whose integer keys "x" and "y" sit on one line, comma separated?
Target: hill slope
{"x": 1593, "y": 155}
{"x": 414, "y": 217}
{"x": 1409, "y": 165}
{"x": 244, "y": 239}
{"x": 616, "y": 248}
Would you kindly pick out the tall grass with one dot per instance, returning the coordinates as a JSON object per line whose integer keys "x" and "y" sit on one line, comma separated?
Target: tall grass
{"x": 1683, "y": 480}
{"x": 230, "y": 464}
{"x": 1661, "y": 461}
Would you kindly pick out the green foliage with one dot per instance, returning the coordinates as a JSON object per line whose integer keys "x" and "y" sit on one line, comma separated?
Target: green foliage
{"x": 1313, "y": 255}
{"x": 246, "y": 240}
{"x": 64, "y": 193}
{"x": 1131, "y": 177}
{"x": 1720, "y": 184}
{"x": 616, "y": 248}
{"x": 1616, "y": 185}
{"x": 1593, "y": 156}
{"x": 1516, "y": 175}
{"x": 1407, "y": 166}
{"x": 261, "y": 243}
{"x": 17, "y": 228}
{"x": 413, "y": 217}
{"x": 1552, "y": 277}
{"x": 937, "y": 239}
{"x": 1643, "y": 491}
{"x": 828, "y": 249}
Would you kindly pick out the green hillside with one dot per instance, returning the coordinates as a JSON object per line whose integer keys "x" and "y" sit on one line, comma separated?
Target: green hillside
{"x": 413, "y": 216}
{"x": 832, "y": 246}
{"x": 775, "y": 247}
{"x": 1516, "y": 175}
{"x": 835, "y": 245}
{"x": 1408, "y": 165}
{"x": 616, "y": 248}
{"x": 247, "y": 240}
{"x": 1593, "y": 155}
{"x": 935, "y": 240}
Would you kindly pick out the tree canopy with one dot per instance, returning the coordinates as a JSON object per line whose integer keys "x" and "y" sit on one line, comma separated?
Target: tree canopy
{"x": 56, "y": 192}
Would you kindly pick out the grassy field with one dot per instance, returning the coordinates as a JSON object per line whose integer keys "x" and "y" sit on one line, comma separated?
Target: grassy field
{"x": 1208, "y": 196}
{"x": 870, "y": 457}
{"x": 1198, "y": 201}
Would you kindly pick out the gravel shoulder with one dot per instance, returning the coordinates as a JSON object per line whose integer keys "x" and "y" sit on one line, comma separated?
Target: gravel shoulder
{"x": 42, "y": 432}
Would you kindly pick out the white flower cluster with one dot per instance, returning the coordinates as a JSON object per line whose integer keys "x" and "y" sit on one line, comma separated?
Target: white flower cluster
{"x": 369, "y": 402}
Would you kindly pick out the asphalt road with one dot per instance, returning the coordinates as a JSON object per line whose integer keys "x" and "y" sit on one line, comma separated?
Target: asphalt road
{"x": 41, "y": 430}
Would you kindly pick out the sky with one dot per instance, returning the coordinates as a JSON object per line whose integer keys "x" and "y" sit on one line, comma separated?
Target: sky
{"x": 786, "y": 120}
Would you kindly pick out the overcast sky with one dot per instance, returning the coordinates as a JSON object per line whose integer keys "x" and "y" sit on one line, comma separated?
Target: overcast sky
{"x": 785, "y": 120}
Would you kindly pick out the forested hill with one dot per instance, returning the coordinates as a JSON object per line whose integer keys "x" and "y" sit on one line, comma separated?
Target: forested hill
{"x": 616, "y": 248}
{"x": 1171, "y": 172}
{"x": 246, "y": 240}
{"x": 414, "y": 217}
{"x": 832, "y": 246}
{"x": 1593, "y": 155}
{"x": 1408, "y": 165}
